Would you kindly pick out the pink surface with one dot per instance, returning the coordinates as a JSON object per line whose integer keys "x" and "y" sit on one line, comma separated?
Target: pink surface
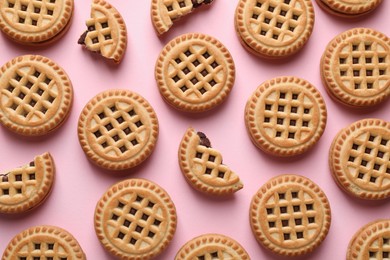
{"x": 80, "y": 184}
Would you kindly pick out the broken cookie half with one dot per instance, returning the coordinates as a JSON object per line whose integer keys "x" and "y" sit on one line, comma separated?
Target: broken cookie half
{"x": 165, "y": 12}
{"x": 106, "y": 32}
{"x": 203, "y": 168}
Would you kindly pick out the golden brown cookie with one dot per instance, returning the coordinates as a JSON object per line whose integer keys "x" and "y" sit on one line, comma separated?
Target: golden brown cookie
{"x": 43, "y": 242}
{"x": 135, "y": 219}
{"x": 118, "y": 129}
{"x": 165, "y": 12}
{"x": 106, "y": 33}
{"x": 349, "y": 8}
{"x": 212, "y": 246}
{"x": 195, "y": 72}
{"x": 355, "y": 67}
{"x": 290, "y": 215}
{"x": 35, "y": 95}
{"x": 274, "y": 28}
{"x": 26, "y": 187}
{"x": 359, "y": 159}
{"x": 371, "y": 242}
{"x": 285, "y": 116}
{"x": 203, "y": 168}
{"x": 35, "y": 22}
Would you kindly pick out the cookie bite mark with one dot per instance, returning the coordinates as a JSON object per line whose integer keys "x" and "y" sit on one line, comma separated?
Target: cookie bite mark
{"x": 106, "y": 32}
{"x": 203, "y": 168}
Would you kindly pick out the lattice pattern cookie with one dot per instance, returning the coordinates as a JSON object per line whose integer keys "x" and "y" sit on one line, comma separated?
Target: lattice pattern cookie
{"x": 349, "y": 8}
{"x": 165, "y": 12}
{"x": 106, "y": 33}
{"x": 135, "y": 219}
{"x": 212, "y": 246}
{"x": 44, "y": 242}
{"x": 274, "y": 28}
{"x": 285, "y": 116}
{"x": 203, "y": 168}
{"x": 359, "y": 159}
{"x": 26, "y": 187}
{"x": 118, "y": 129}
{"x": 355, "y": 67}
{"x": 35, "y": 95}
{"x": 371, "y": 242}
{"x": 290, "y": 215}
{"x": 35, "y": 21}
{"x": 195, "y": 72}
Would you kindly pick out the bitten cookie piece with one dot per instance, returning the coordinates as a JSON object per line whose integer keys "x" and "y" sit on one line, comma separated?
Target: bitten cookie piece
{"x": 203, "y": 168}
{"x": 212, "y": 246}
{"x": 106, "y": 33}
{"x": 165, "y": 12}
{"x": 135, "y": 219}
{"x": 43, "y": 242}
{"x": 35, "y": 22}
{"x": 26, "y": 187}
{"x": 35, "y": 95}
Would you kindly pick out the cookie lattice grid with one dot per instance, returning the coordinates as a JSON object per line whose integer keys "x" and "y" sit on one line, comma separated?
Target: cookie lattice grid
{"x": 136, "y": 221}
{"x": 288, "y": 115}
{"x": 277, "y": 20}
{"x": 31, "y": 12}
{"x": 99, "y": 34}
{"x": 220, "y": 254}
{"x": 369, "y": 160}
{"x": 380, "y": 248}
{"x": 118, "y": 130}
{"x": 37, "y": 250}
{"x": 195, "y": 72}
{"x": 178, "y": 8}
{"x": 364, "y": 65}
{"x": 30, "y": 94}
{"x": 291, "y": 216}
{"x": 18, "y": 182}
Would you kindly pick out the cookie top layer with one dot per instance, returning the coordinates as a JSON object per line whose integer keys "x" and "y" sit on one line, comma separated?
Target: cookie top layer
{"x": 349, "y": 8}
{"x": 212, "y": 246}
{"x": 359, "y": 159}
{"x": 165, "y": 12}
{"x": 290, "y": 215}
{"x": 274, "y": 28}
{"x": 35, "y": 95}
{"x": 371, "y": 242}
{"x": 355, "y": 67}
{"x": 195, "y": 72}
{"x": 106, "y": 33}
{"x": 285, "y": 116}
{"x": 118, "y": 129}
{"x": 34, "y": 21}
{"x": 135, "y": 219}
{"x": 26, "y": 187}
{"x": 203, "y": 168}
{"x": 44, "y": 242}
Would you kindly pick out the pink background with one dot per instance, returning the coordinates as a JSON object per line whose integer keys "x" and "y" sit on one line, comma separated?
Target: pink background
{"x": 80, "y": 184}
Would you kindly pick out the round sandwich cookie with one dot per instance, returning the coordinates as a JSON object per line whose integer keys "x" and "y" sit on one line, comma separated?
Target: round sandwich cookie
{"x": 212, "y": 246}
{"x": 371, "y": 242}
{"x": 106, "y": 32}
{"x": 118, "y": 129}
{"x": 35, "y": 22}
{"x": 285, "y": 116}
{"x": 359, "y": 159}
{"x": 355, "y": 68}
{"x": 290, "y": 215}
{"x": 165, "y": 13}
{"x": 26, "y": 187}
{"x": 43, "y": 242}
{"x": 35, "y": 95}
{"x": 274, "y": 28}
{"x": 135, "y": 219}
{"x": 203, "y": 168}
{"x": 195, "y": 72}
{"x": 349, "y": 8}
